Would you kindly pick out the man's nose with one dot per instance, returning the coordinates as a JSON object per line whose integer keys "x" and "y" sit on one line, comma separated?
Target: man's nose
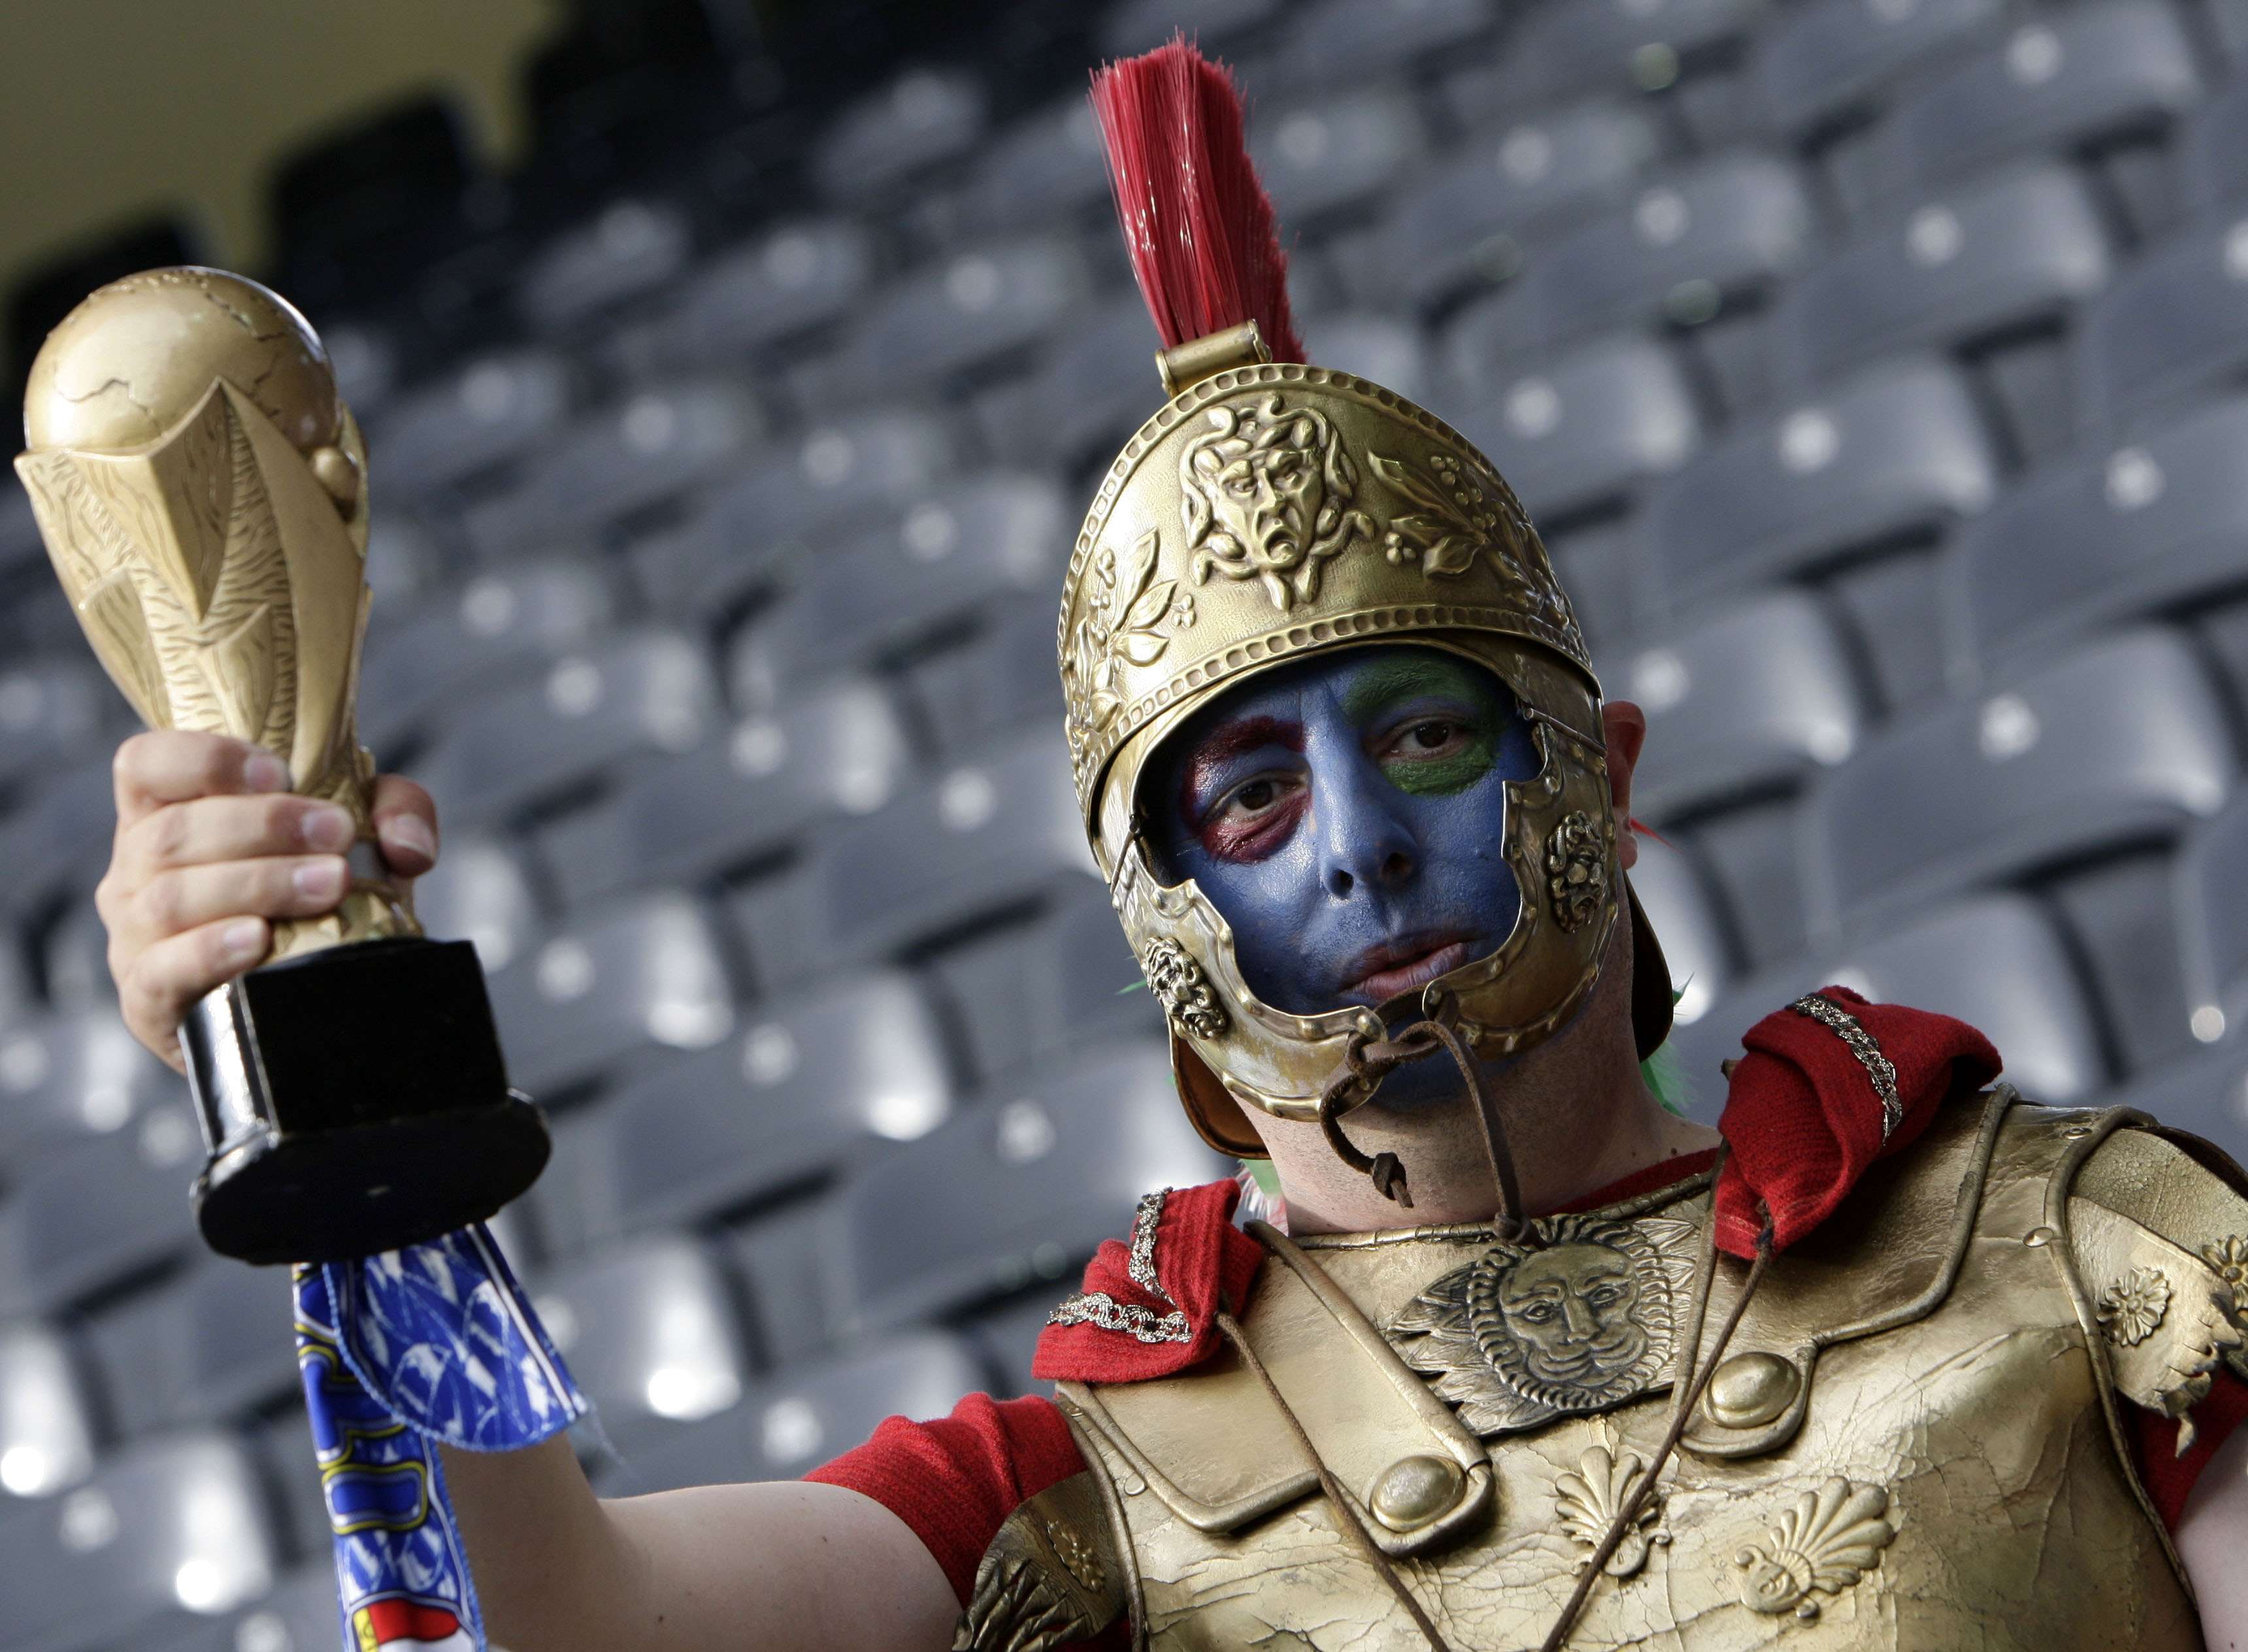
{"x": 1363, "y": 838}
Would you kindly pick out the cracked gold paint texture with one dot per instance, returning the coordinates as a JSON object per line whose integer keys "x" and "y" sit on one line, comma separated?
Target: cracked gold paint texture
{"x": 1956, "y": 1472}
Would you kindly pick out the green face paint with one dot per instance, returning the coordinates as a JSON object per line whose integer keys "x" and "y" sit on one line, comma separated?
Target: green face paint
{"x": 1449, "y": 749}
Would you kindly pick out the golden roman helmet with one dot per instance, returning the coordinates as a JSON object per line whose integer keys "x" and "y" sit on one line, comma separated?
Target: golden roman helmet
{"x": 1272, "y": 510}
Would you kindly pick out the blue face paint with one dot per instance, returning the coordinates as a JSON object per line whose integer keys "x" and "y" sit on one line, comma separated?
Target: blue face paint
{"x": 1346, "y": 816}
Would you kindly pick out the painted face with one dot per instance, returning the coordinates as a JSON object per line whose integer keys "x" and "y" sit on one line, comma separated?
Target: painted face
{"x": 1347, "y": 816}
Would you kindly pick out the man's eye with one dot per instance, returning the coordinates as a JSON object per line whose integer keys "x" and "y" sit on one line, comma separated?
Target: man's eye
{"x": 1257, "y": 795}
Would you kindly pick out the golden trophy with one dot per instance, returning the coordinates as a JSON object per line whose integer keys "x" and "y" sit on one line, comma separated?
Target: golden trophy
{"x": 202, "y": 490}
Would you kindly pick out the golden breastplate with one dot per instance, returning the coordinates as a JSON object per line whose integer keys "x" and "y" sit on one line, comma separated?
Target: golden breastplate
{"x": 1913, "y": 1440}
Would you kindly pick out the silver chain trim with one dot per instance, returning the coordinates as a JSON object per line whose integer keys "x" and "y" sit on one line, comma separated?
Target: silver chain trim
{"x": 1847, "y": 1027}
{"x": 1142, "y": 1324}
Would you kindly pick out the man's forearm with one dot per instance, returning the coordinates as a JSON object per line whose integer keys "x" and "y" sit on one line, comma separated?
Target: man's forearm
{"x": 549, "y": 1570}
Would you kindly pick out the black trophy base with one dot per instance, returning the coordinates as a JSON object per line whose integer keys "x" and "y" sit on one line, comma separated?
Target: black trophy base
{"x": 354, "y": 1100}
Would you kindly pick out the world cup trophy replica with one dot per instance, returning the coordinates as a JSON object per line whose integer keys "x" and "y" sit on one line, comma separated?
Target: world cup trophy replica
{"x": 202, "y": 489}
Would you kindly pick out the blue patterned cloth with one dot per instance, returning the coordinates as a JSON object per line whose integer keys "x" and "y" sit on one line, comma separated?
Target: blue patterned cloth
{"x": 399, "y": 1351}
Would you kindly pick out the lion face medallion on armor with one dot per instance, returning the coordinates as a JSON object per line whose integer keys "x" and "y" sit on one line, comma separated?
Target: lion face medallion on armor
{"x": 1578, "y": 1316}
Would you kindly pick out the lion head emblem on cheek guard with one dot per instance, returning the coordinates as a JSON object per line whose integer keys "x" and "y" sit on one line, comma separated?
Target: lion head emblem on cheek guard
{"x": 1268, "y": 493}
{"x": 1580, "y": 1316}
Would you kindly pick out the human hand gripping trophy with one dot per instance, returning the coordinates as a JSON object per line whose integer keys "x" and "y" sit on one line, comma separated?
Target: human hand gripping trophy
{"x": 202, "y": 490}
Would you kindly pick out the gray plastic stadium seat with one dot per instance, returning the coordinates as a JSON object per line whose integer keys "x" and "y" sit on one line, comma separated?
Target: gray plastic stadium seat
{"x": 2122, "y": 740}
{"x": 2136, "y": 528}
{"x": 2206, "y": 1092}
{"x": 2210, "y": 902}
{"x": 1717, "y": 229}
{"x": 808, "y": 1084}
{"x": 2174, "y": 323}
{"x": 283, "y": 1445}
{"x": 475, "y": 418}
{"x": 502, "y": 623}
{"x": 794, "y": 1422}
{"x": 784, "y": 1258}
{"x": 1689, "y": 926}
{"x": 641, "y": 692}
{"x": 1009, "y": 1338}
{"x": 1337, "y": 43}
{"x": 627, "y": 251}
{"x": 1142, "y": 25}
{"x": 1897, "y": 449}
{"x": 484, "y": 890}
{"x": 2021, "y": 247}
{"x": 921, "y": 121}
{"x": 801, "y": 276}
{"x": 1620, "y": 43}
{"x": 67, "y": 1076}
{"x": 47, "y": 1418}
{"x": 1587, "y": 426}
{"x": 2213, "y": 147}
{"x": 299, "y": 1615}
{"x": 209, "y": 1345}
{"x": 56, "y": 843}
{"x": 1091, "y": 389}
{"x": 51, "y": 709}
{"x": 1318, "y": 156}
{"x": 1022, "y": 1187}
{"x": 1995, "y": 961}
{"x": 2118, "y": 911}
{"x": 1028, "y": 993}
{"x": 1829, "y": 58}
{"x": 649, "y": 1331}
{"x": 756, "y": 527}
{"x": 2073, "y": 76}
{"x": 1390, "y": 352}
{"x": 639, "y": 977}
{"x": 1004, "y": 677}
{"x": 403, "y": 561}
{"x": 365, "y": 358}
{"x": 1501, "y": 192}
{"x": 657, "y": 443}
{"x": 1754, "y": 857}
{"x": 1756, "y": 695}
{"x": 169, "y": 1530}
{"x": 1044, "y": 168}
{"x": 752, "y": 790}
{"x": 82, "y": 1216}
{"x": 955, "y": 317}
{"x": 994, "y": 830}
{"x": 942, "y": 562}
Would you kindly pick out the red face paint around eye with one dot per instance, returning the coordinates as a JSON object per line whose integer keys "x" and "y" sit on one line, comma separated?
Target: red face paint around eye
{"x": 1254, "y": 818}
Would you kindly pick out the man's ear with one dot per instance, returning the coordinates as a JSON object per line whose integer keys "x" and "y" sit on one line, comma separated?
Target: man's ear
{"x": 1624, "y": 727}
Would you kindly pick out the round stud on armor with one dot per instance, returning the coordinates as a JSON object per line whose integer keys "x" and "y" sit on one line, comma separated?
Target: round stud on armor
{"x": 1413, "y": 1491}
{"x": 1751, "y": 1389}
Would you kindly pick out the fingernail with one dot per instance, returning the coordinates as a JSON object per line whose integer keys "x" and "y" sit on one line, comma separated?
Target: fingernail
{"x": 242, "y": 939}
{"x": 262, "y": 771}
{"x": 411, "y": 833}
{"x": 318, "y": 879}
{"x": 328, "y": 827}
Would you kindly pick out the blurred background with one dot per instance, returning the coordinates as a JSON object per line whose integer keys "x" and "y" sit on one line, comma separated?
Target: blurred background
{"x": 735, "y": 373}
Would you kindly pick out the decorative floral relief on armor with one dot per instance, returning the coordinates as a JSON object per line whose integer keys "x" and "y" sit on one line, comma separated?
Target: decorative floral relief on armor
{"x": 1456, "y": 522}
{"x": 2228, "y": 1259}
{"x": 1077, "y": 1556}
{"x": 1590, "y": 1499}
{"x": 1184, "y": 990}
{"x": 1140, "y": 1324}
{"x": 1121, "y": 625}
{"x": 1574, "y": 861}
{"x": 1826, "y": 1542}
{"x": 1267, "y": 493}
{"x": 2131, "y": 1308}
{"x": 1578, "y": 1317}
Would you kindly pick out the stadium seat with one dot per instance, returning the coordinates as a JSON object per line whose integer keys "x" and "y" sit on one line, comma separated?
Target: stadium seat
{"x": 282, "y": 1444}
{"x": 69, "y": 1075}
{"x": 83, "y": 1217}
{"x": 2170, "y": 326}
{"x": 506, "y": 622}
{"x": 366, "y": 359}
{"x": 169, "y": 1530}
{"x": 2024, "y": 247}
{"x": 56, "y": 843}
{"x": 484, "y": 890}
{"x": 756, "y": 527}
{"x": 2076, "y": 77}
{"x": 1560, "y": 49}
{"x": 786, "y": 1258}
{"x": 641, "y": 692}
{"x": 794, "y": 1422}
{"x": 630, "y": 248}
{"x": 1091, "y": 389}
{"x": 2209, "y": 902}
{"x": 1133, "y": 26}
{"x": 1028, "y": 993}
{"x": 2127, "y": 531}
{"x": 2122, "y": 740}
{"x": 1821, "y": 62}
{"x": 639, "y": 977}
{"x": 299, "y": 1615}
{"x": 1897, "y": 449}
{"x": 1587, "y": 426}
{"x": 1471, "y": 219}
{"x": 1995, "y": 961}
{"x": 496, "y": 410}
{"x": 2206, "y": 1092}
{"x": 952, "y": 319}
{"x": 649, "y": 1329}
{"x": 787, "y": 282}
{"x": 209, "y": 1345}
{"x": 2213, "y": 147}
{"x": 1004, "y": 677}
{"x": 1377, "y": 346}
{"x": 1336, "y": 44}
{"x": 50, "y": 710}
{"x": 47, "y": 1417}
{"x": 1894, "y": 605}
{"x": 1689, "y": 926}
{"x": 1753, "y": 697}
{"x": 1754, "y": 857}
{"x": 1024, "y": 1186}
{"x": 922, "y": 120}
{"x": 2117, "y": 912}
{"x": 754, "y": 790}
{"x": 404, "y": 565}
{"x": 994, "y": 830}
{"x": 1318, "y": 156}
{"x": 1007, "y": 1338}
{"x": 810, "y": 1081}
{"x": 1042, "y": 170}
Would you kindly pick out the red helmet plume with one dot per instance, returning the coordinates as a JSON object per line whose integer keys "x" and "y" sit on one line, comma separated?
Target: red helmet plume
{"x": 1199, "y": 225}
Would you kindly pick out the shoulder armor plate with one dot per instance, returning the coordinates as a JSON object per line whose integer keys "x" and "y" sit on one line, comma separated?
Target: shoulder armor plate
{"x": 1051, "y": 1577}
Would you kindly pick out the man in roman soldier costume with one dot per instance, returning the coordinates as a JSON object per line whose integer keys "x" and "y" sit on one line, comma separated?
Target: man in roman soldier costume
{"x": 1521, "y": 1358}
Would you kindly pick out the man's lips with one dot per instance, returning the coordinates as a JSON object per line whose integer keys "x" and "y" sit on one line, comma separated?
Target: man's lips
{"x": 1406, "y": 966}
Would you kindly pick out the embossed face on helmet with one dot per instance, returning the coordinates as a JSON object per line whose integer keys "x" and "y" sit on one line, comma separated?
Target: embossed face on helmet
{"x": 1267, "y": 492}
